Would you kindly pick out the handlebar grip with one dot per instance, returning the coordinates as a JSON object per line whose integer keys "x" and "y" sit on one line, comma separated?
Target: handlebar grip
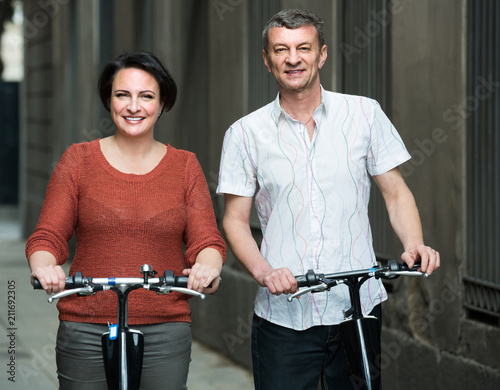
{"x": 69, "y": 283}
{"x": 177, "y": 281}
{"x": 36, "y": 284}
{"x": 404, "y": 267}
{"x": 301, "y": 281}
{"x": 309, "y": 279}
{"x": 180, "y": 281}
{"x": 395, "y": 266}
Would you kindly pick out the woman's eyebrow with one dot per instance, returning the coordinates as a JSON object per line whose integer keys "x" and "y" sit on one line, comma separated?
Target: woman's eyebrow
{"x": 145, "y": 91}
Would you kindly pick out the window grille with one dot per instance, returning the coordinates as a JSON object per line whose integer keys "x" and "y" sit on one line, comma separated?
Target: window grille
{"x": 262, "y": 87}
{"x": 482, "y": 107}
{"x": 364, "y": 70}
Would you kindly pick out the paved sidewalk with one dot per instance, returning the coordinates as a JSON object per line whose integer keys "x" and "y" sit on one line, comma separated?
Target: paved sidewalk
{"x": 28, "y": 330}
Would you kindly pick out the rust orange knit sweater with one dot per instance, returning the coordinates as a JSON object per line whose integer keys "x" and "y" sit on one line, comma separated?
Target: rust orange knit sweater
{"x": 122, "y": 221}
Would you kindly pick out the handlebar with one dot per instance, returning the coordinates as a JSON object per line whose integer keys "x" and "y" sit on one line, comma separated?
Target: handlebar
{"x": 78, "y": 284}
{"x": 320, "y": 282}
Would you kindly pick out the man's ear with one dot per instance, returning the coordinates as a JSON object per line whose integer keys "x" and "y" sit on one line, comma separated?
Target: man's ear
{"x": 323, "y": 54}
{"x": 266, "y": 60}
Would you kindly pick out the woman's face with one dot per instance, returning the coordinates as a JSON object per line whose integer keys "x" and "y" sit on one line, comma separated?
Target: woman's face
{"x": 135, "y": 102}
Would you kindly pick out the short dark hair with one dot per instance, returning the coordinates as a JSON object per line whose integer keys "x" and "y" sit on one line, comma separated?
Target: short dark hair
{"x": 292, "y": 19}
{"x": 139, "y": 60}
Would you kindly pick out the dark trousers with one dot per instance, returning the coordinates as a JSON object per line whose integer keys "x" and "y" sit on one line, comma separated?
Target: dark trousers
{"x": 286, "y": 359}
{"x": 167, "y": 354}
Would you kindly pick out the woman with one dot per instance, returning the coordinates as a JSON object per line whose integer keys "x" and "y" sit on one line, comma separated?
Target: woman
{"x": 130, "y": 200}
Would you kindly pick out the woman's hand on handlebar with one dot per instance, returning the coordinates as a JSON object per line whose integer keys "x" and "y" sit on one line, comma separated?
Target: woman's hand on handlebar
{"x": 51, "y": 277}
{"x": 44, "y": 267}
{"x": 200, "y": 277}
{"x": 428, "y": 257}
{"x": 205, "y": 270}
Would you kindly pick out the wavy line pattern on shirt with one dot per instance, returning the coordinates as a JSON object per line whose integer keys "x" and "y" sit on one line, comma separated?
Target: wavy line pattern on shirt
{"x": 321, "y": 243}
{"x": 294, "y": 185}
{"x": 246, "y": 141}
{"x": 367, "y": 194}
{"x": 356, "y": 207}
{"x": 342, "y": 256}
{"x": 278, "y": 211}
{"x": 394, "y": 137}
{"x": 310, "y": 176}
{"x": 277, "y": 208}
{"x": 372, "y": 260}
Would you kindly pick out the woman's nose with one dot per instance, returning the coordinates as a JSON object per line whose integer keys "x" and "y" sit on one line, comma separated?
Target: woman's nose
{"x": 133, "y": 105}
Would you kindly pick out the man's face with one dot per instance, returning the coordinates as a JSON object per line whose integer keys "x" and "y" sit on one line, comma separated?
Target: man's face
{"x": 294, "y": 57}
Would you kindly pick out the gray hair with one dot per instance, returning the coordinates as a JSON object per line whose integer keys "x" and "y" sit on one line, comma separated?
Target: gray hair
{"x": 292, "y": 19}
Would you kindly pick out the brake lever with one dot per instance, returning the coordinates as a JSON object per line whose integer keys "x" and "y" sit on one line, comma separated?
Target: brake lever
{"x": 318, "y": 288}
{"x": 168, "y": 289}
{"x": 87, "y": 290}
{"x": 394, "y": 274}
{"x": 189, "y": 292}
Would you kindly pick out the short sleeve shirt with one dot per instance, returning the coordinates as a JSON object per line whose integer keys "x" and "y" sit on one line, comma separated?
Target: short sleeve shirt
{"x": 311, "y": 196}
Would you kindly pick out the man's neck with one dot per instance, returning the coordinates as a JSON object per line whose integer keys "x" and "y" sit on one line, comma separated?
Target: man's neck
{"x": 301, "y": 105}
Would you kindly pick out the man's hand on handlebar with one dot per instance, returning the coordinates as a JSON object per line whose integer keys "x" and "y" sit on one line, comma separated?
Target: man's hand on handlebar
{"x": 51, "y": 277}
{"x": 279, "y": 281}
{"x": 428, "y": 257}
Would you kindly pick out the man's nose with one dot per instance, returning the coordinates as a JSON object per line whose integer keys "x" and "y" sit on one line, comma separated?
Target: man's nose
{"x": 293, "y": 57}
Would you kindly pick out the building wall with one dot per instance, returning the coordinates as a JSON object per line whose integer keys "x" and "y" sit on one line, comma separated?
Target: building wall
{"x": 437, "y": 63}
{"x": 427, "y": 340}
{"x": 428, "y": 78}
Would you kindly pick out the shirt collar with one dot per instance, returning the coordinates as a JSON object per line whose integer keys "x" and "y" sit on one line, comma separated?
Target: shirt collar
{"x": 277, "y": 111}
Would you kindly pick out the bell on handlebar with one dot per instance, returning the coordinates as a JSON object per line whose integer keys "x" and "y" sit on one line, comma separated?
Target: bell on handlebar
{"x": 148, "y": 272}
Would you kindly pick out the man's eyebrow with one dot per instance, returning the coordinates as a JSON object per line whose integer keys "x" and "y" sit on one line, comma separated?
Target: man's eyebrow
{"x": 299, "y": 44}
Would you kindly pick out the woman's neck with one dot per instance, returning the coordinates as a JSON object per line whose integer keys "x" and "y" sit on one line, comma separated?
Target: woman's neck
{"x": 137, "y": 156}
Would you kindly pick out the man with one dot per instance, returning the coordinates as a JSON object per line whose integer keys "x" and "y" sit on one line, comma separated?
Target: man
{"x": 307, "y": 158}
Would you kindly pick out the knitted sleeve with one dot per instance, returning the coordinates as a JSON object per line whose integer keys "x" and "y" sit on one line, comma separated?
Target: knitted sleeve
{"x": 201, "y": 229}
{"x": 59, "y": 214}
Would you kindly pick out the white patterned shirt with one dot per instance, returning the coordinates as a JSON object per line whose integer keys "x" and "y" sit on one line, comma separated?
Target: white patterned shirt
{"x": 311, "y": 196}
